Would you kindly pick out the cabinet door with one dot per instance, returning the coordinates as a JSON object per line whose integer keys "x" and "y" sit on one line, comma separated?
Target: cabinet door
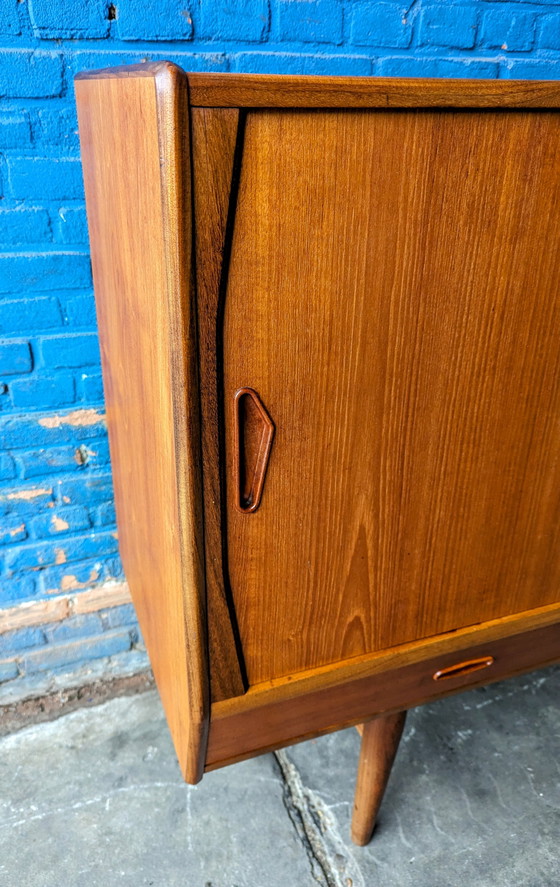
{"x": 392, "y": 298}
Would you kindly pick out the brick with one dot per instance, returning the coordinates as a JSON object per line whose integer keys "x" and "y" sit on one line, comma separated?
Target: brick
{"x": 13, "y": 531}
{"x": 57, "y": 656}
{"x": 70, "y": 350}
{"x": 49, "y": 460}
{"x": 85, "y": 60}
{"x": 75, "y": 627}
{"x": 80, "y": 310}
{"x": 22, "y": 225}
{"x": 155, "y": 20}
{"x": 137, "y": 638}
{"x": 49, "y": 429}
{"x": 310, "y": 21}
{"x": 43, "y": 391}
{"x": 113, "y": 568}
{"x": 549, "y": 31}
{"x": 57, "y": 125}
{"x": 512, "y": 33}
{"x": 379, "y": 24}
{"x": 30, "y": 557}
{"x": 9, "y": 19}
{"x": 50, "y": 178}
{"x": 95, "y": 454}
{"x": 401, "y": 66}
{"x": 30, "y": 74}
{"x": 453, "y": 26}
{"x": 135, "y": 635}
{"x": 88, "y": 60}
{"x": 74, "y": 577}
{"x": 96, "y": 544}
{"x": 298, "y": 63}
{"x": 63, "y": 551}
{"x": 69, "y": 18}
{"x": 21, "y": 639}
{"x": 7, "y": 467}
{"x": 19, "y": 589}
{"x": 245, "y": 20}
{"x": 15, "y": 129}
{"x": 25, "y": 499}
{"x": 532, "y": 69}
{"x": 91, "y": 387}
{"x": 39, "y": 272}
{"x": 71, "y": 225}
{"x": 116, "y": 617}
{"x": 23, "y": 315}
{"x": 15, "y": 357}
{"x": 8, "y": 670}
{"x": 105, "y": 515}
{"x": 199, "y": 61}
{"x": 60, "y": 521}
{"x": 86, "y": 490}
{"x": 5, "y": 402}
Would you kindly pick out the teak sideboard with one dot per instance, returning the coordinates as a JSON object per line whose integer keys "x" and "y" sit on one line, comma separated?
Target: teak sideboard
{"x": 329, "y": 312}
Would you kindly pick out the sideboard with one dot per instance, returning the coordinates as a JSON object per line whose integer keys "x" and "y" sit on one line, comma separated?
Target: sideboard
{"x": 329, "y": 315}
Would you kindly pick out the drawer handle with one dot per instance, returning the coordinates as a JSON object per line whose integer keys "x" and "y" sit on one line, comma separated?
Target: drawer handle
{"x": 462, "y": 668}
{"x": 253, "y": 431}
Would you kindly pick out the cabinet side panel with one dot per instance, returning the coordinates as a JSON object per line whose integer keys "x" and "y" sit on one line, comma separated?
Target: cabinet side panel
{"x": 131, "y": 147}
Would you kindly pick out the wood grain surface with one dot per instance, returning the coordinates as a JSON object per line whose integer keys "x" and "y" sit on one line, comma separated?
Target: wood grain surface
{"x": 136, "y": 168}
{"x": 263, "y": 719}
{"x": 386, "y": 281}
{"x": 456, "y": 644}
{"x": 287, "y": 91}
{"x": 380, "y": 741}
{"x": 392, "y": 296}
{"x": 215, "y": 135}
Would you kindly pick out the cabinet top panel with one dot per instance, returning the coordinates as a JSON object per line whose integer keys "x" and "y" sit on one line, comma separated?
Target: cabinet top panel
{"x": 287, "y": 91}
{"x": 266, "y": 91}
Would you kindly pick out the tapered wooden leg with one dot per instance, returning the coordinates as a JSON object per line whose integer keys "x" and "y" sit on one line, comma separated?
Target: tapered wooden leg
{"x": 380, "y": 741}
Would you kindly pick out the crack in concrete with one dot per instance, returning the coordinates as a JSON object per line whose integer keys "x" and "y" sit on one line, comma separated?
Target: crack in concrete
{"x": 317, "y": 829}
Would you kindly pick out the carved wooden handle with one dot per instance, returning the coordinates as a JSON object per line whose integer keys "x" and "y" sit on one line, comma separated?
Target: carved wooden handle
{"x": 253, "y": 434}
{"x": 462, "y": 668}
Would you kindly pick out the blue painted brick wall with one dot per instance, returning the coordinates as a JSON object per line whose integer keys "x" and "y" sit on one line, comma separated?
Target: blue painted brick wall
{"x": 54, "y": 647}
{"x": 58, "y": 531}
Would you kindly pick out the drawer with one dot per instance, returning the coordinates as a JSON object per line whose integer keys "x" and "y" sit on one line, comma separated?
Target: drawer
{"x": 258, "y": 722}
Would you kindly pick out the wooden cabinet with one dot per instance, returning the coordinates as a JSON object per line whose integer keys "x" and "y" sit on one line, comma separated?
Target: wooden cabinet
{"x": 330, "y": 325}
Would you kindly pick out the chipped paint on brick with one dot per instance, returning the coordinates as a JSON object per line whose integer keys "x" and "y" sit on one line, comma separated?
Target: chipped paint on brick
{"x": 26, "y": 495}
{"x": 81, "y": 418}
{"x": 59, "y": 556}
{"x": 58, "y": 524}
{"x": 82, "y": 454}
{"x": 69, "y": 582}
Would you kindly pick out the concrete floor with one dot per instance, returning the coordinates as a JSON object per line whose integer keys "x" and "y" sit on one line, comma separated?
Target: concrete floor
{"x": 95, "y": 799}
